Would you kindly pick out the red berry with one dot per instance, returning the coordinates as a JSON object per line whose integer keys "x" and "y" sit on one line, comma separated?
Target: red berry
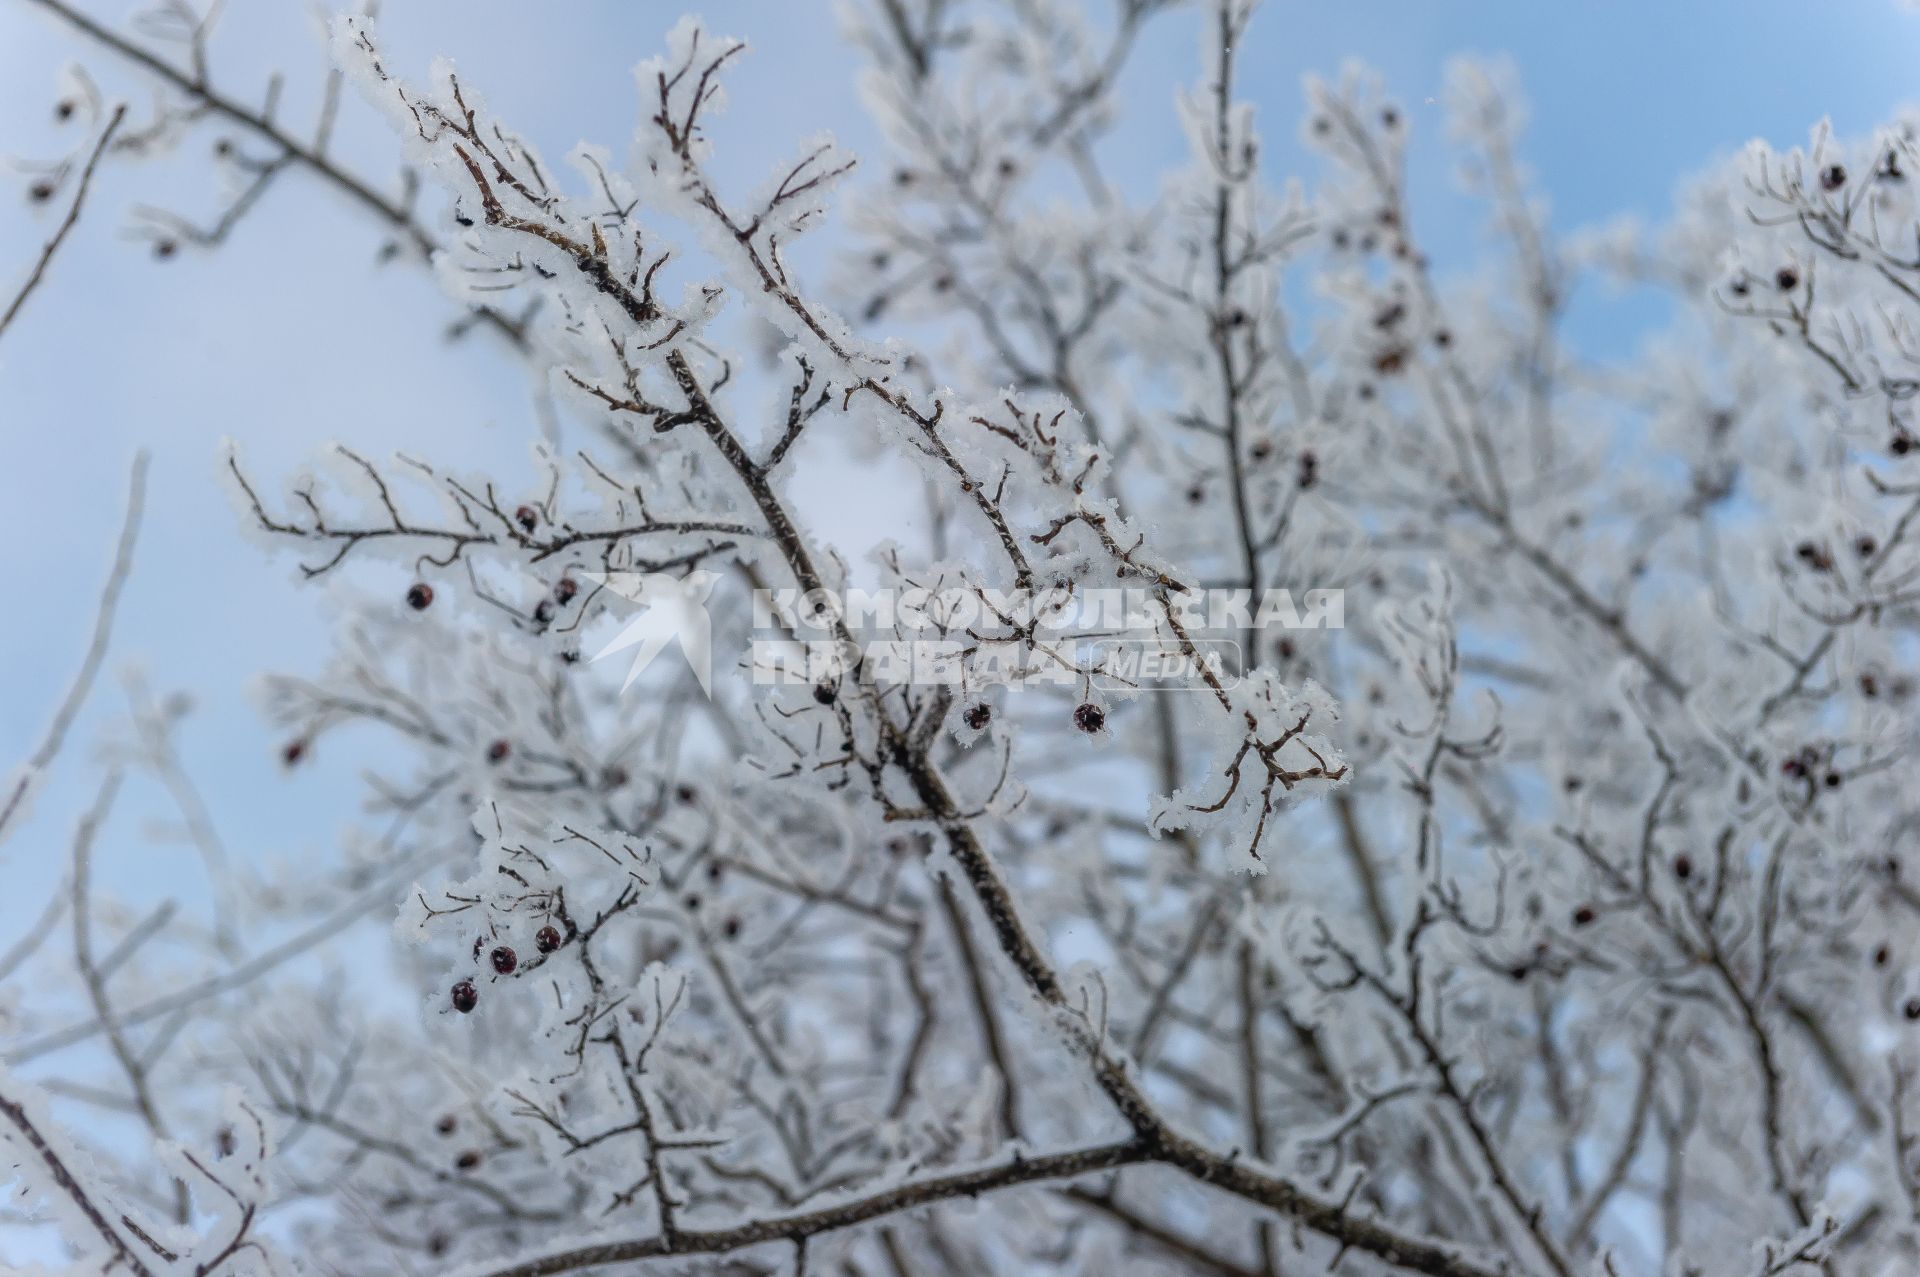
{"x": 1089, "y": 718}
{"x": 465, "y": 997}
{"x": 1682, "y": 867}
{"x": 1786, "y": 279}
{"x": 732, "y": 928}
{"x": 419, "y": 596}
{"x": 564, "y": 589}
{"x": 1583, "y": 915}
{"x": 468, "y": 1160}
{"x": 526, "y": 517}
{"x": 978, "y": 716}
{"x": 1833, "y": 177}
{"x": 547, "y": 939}
{"x": 504, "y": 960}
{"x": 498, "y": 751}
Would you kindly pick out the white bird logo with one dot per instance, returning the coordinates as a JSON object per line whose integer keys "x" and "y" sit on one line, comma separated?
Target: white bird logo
{"x": 675, "y": 608}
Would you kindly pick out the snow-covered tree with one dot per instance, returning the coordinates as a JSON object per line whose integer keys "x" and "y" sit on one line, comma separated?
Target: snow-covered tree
{"x": 1547, "y": 916}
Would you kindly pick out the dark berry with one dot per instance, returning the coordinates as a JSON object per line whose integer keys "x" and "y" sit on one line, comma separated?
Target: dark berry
{"x": 1912, "y": 1009}
{"x": 1901, "y": 445}
{"x": 504, "y": 960}
{"x": 1443, "y": 339}
{"x": 1261, "y": 450}
{"x": 1089, "y": 718}
{"x": 547, "y": 939}
{"x": 825, "y": 693}
{"x": 1833, "y": 780}
{"x": 1869, "y": 686}
{"x": 468, "y": 1160}
{"x": 614, "y": 777}
{"x": 446, "y": 1124}
{"x": 1833, "y": 177}
{"x": 1390, "y": 118}
{"x": 1309, "y": 470}
{"x": 978, "y": 716}
{"x": 686, "y": 794}
{"x": 498, "y": 751}
{"x": 564, "y": 589}
{"x": 1865, "y": 547}
{"x": 1738, "y": 288}
{"x": 465, "y": 997}
{"x": 732, "y": 928}
{"x": 1682, "y": 867}
{"x": 63, "y": 109}
{"x": 1196, "y": 494}
{"x": 1786, "y": 279}
{"x": 164, "y": 248}
{"x": 293, "y": 752}
{"x": 1583, "y": 915}
{"x": 1882, "y": 956}
{"x": 526, "y": 518}
{"x": 419, "y": 596}
{"x": 40, "y": 192}
{"x": 543, "y": 612}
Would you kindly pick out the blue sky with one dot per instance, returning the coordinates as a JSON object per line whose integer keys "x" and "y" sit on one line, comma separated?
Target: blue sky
{"x": 293, "y": 335}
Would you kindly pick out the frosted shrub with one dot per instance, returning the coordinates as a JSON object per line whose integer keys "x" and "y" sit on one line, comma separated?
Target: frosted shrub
{"x": 1550, "y": 916}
